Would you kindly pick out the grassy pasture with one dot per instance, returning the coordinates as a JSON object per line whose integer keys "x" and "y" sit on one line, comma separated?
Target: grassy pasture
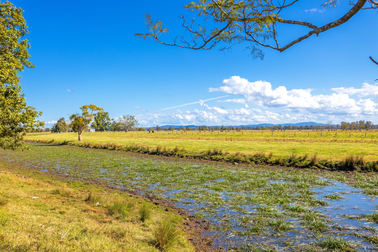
{"x": 250, "y": 207}
{"x": 326, "y": 145}
{"x": 40, "y": 213}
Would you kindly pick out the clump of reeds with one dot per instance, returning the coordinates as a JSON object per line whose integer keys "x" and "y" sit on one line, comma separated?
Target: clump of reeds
{"x": 119, "y": 209}
{"x": 335, "y": 244}
{"x": 145, "y": 212}
{"x": 166, "y": 234}
{"x": 352, "y": 163}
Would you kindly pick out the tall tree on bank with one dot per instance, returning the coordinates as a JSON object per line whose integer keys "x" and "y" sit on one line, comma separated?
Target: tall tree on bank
{"x": 224, "y": 23}
{"x": 80, "y": 123}
{"x": 16, "y": 117}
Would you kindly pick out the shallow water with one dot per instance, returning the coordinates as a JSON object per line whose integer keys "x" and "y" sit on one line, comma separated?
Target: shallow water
{"x": 353, "y": 203}
{"x": 264, "y": 207}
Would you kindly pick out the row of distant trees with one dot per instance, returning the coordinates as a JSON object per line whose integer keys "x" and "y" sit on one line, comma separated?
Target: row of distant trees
{"x": 96, "y": 118}
{"x": 357, "y": 125}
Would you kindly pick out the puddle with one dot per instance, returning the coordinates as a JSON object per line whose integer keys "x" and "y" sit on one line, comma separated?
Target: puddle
{"x": 271, "y": 182}
{"x": 353, "y": 203}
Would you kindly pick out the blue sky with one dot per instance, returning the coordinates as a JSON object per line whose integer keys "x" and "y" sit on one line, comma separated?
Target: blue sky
{"x": 85, "y": 52}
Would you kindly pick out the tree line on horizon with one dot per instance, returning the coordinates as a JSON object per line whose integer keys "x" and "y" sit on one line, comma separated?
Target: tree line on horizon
{"x": 357, "y": 125}
{"x": 102, "y": 123}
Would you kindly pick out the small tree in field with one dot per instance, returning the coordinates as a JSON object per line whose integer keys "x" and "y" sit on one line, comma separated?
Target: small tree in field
{"x": 60, "y": 126}
{"x": 126, "y": 123}
{"x": 80, "y": 123}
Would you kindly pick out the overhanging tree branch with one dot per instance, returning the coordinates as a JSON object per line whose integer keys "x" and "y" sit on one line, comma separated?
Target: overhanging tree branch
{"x": 256, "y": 22}
{"x": 371, "y": 58}
{"x": 316, "y": 30}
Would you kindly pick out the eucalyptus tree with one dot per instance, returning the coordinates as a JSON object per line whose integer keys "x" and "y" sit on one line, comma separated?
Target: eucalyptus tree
{"x": 224, "y": 23}
{"x": 60, "y": 126}
{"x": 80, "y": 123}
{"x": 16, "y": 117}
{"x": 126, "y": 123}
{"x": 102, "y": 121}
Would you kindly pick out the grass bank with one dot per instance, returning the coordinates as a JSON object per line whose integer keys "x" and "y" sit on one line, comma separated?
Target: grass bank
{"x": 41, "y": 213}
{"x": 293, "y": 152}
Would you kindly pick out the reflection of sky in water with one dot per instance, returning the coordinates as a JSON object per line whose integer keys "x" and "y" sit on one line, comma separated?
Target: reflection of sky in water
{"x": 353, "y": 203}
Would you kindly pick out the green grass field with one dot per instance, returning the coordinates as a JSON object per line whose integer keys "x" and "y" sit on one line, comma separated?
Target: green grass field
{"x": 330, "y": 145}
{"x": 42, "y": 213}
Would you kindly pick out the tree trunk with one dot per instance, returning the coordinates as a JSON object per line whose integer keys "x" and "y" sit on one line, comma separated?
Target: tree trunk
{"x": 79, "y": 136}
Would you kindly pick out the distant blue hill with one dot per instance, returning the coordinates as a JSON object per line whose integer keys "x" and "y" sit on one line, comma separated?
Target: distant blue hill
{"x": 300, "y": 124}
{"x": 287, "y": 124}
{"x": 178, "y": 126}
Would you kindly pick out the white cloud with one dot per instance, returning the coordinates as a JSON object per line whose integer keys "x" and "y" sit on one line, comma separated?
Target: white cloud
{"x": 216, "y": 109}
{"x": 52, "y": 122}
{"x": 210, "y": 115}
{"x": 368, "y": 106}
{"x": 341, "y": 101}
{"x": 260, "y": 102}
{"x": 366, "y": 90}
{"x": 315, "y": 10}
{"x": 261, "y": 93}
{"x": 201, "y": 102}
{"x": 242, "y": 101}
{"x": 69, "y": 90}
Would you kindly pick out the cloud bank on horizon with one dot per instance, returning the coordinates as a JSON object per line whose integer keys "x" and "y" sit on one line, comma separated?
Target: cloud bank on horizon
{"x": 259, "y": 102}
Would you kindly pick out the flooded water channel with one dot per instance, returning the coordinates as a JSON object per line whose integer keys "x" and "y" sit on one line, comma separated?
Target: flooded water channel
{"x": 248, "y": 207}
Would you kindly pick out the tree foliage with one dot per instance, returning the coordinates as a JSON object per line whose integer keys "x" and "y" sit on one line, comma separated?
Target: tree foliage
{"x": 16, "y": 117}
{"x": 60, "y": 126}
{"x": 80, "y": 123}
{"x": 358, "y": 125}
{"x": 102, "y": 121}
{"x": 257, "y": 22}
{"x": 125, "y": 123}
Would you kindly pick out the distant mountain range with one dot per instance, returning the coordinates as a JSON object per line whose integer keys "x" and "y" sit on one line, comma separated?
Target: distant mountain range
{"x": 249, "y": 125}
